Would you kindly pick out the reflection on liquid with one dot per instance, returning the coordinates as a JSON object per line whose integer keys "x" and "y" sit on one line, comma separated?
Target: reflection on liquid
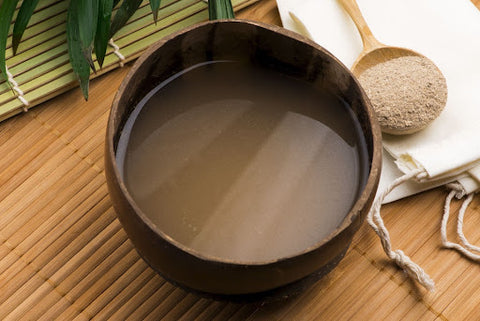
{"x": 253, "y": 173}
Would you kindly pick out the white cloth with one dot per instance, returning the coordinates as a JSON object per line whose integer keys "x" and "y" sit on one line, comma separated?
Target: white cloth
{"x": 447, "y": 32}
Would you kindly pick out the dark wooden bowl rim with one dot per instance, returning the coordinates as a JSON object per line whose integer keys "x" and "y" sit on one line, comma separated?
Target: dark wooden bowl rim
{"x": 370, "y": 186}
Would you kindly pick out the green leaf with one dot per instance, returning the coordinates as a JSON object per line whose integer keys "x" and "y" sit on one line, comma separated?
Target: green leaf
{"x": 126, "y": 10}
{"x": 102, "y": 35}
{"x": 79, "y": 63}
{"x": 7, "y": 8}
{"x": 115, "y": 2}
{"x": 87, "y": 15}
{"x": 155, "y": 5}
{"x": 220, "y": 9}
{"x": 21, "y": 22}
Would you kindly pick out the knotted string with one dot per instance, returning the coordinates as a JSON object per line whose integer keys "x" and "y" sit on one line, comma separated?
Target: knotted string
{"x": 16, "y": 89}
{"x": 116, "y": 51}
{"x": 376, "y": 222}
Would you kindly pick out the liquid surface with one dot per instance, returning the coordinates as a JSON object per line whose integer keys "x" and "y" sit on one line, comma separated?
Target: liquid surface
{"x": 242, "y": 164}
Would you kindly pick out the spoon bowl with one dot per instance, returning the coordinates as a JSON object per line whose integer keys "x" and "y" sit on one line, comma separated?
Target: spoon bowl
{"x": 422, "y": 97}
{"x": 378, "y": 55}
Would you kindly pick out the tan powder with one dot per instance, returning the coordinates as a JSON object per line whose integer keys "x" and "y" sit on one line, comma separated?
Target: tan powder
{"x": 407, "y": 93}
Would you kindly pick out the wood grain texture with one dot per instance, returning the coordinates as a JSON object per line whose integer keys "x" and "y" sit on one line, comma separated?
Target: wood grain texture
{"x": 64, "y": 255}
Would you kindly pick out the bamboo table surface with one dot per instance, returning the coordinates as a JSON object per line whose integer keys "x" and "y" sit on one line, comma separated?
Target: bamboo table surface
{"x": 64, "y": 255}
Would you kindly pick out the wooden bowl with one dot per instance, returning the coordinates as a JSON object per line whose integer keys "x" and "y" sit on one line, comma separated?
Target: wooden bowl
{"x": 274, "y": 47}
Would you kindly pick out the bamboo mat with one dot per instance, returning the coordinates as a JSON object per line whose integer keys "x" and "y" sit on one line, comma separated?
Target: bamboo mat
{"x": 41, "y": 66}
{"x": 65, "y": 256}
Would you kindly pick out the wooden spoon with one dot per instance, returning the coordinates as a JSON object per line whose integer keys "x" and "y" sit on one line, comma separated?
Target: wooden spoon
{"x": 396, "y": 119}
{"x": 374, "y": 52}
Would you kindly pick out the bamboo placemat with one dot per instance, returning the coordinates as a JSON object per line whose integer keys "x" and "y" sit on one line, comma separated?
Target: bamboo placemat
{"x": 65, "y": 256}
{"x": 41, "y": 66}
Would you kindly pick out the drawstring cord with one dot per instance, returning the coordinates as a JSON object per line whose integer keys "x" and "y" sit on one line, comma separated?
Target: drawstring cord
{"x": 465, "y": 247}
{"x": 461, "y": 214}
{"x": 375, "y": 220}
{"x": 412, "y": 269}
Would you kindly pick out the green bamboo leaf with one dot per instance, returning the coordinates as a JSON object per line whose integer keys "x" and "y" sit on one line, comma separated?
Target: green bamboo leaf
{"x": 155, "y": 5}
{"x": 103, "y": 29}
{"x": 7, "y": 8}
{"x": 220, "y": 9}
{"x": 79, "y": 63}
{"x": 87, "y": 15}
{"x": 21, "y": 22}
{"x": 126, "y": 10}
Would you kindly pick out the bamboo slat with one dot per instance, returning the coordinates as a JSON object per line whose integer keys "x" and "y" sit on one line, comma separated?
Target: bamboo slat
{"x": 41, "y": 66}
{"x": 65, "y": 256}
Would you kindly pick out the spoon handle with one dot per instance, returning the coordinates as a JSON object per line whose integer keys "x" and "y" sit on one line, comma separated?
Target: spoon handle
{"x": 369, "y": 41}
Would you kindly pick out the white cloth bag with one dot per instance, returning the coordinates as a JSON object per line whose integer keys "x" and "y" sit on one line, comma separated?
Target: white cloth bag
{"x": 447, "y": 32}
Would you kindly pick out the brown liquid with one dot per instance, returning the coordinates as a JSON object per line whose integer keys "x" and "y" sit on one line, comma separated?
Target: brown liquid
{"x": 242, "y": 164}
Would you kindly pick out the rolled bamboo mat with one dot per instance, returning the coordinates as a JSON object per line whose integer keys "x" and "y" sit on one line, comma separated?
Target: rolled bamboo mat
{"x": 41, "y": 66}
{"x": 65, "y": 256}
